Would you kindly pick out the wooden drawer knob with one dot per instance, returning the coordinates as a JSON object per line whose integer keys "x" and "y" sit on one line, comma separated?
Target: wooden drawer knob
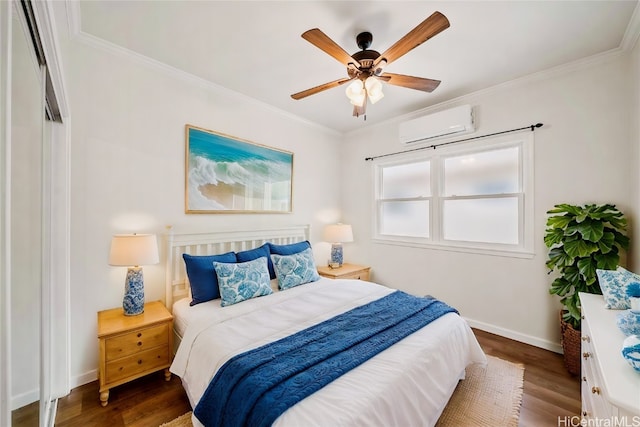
{"x": 139, "y": 361}
{"x": 139, "y": 334}
{"x": 139, "y": 343}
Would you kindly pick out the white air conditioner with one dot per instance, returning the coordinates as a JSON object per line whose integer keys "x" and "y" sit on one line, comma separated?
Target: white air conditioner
{"x": 447, "y": 123}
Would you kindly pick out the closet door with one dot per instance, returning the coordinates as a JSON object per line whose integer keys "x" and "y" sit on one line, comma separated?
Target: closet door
{"x": 27, "y": 118}
{"x": 34, "y": 213}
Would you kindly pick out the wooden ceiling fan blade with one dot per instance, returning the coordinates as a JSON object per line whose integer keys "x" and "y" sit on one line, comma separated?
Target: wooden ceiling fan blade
{"x": 320, "y": 40}
{"x": 320, "y": 88}
{"x": 417, "y": 83}
{"x": 428, "y": 28}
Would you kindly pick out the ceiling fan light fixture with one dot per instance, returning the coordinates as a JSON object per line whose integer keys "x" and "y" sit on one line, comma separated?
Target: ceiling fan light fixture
{"x": 378, "y": 68}
{"x": 365, "y": 69}
{"x": 377, "y": 97}
{"x": 355, "y": 92}
{"x": 374, "y": 89}
{"x": 358, "y": 100}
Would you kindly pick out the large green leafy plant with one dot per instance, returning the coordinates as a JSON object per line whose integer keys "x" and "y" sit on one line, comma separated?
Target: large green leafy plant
{"x": 582, "y": 239}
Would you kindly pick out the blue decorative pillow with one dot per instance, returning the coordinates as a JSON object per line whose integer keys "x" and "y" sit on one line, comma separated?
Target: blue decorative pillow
{"x": 262, "y": 251}
{"x": 202, "y": 275}
{"x": 290, "y": 249}
{"x": 614, "y": 285}
{"x": 296, "y": 269}
{"x": 243, "y": 281}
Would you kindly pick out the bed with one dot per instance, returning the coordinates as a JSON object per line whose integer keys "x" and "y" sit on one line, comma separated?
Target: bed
{"x": 407, "y": 384}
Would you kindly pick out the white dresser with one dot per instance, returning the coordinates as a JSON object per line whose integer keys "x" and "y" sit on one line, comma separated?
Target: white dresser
{"x": 610, "y": 386}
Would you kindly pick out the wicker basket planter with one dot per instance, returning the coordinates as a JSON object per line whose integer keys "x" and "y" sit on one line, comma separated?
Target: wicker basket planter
{"x": 570, "y": 347}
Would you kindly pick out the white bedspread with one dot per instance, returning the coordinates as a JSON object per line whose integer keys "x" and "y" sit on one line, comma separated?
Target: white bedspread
{"x": 407, "y": 384}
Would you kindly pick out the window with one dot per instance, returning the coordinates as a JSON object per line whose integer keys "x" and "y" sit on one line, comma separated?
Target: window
{"x": 406, "y": 199}
{"x": 478, "y": 197}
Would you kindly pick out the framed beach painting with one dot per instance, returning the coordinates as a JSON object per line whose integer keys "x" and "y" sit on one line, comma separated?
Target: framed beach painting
{"x": 225, "y": 174}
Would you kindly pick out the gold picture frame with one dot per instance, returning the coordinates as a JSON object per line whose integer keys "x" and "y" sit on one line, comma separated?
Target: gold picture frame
{"x": 225, "y": 174}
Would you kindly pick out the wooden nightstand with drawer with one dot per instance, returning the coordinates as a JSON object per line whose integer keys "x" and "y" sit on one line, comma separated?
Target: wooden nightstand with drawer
{"x": 133, "y": 346}
{"x": 347, "y": 271}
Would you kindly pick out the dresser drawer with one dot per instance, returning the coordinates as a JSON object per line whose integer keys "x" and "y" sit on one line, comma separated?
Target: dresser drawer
{"x": 136, "y": 341}
{"x": 347, "y": 271}
{"x": 358, "y": 275}
{"x": 135, "y": 364}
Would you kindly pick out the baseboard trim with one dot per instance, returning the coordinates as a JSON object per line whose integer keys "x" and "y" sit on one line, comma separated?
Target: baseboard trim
{"x": 517, "y": 336}
{"x": 24, "y": 399}
{"x": 85, "y": 378}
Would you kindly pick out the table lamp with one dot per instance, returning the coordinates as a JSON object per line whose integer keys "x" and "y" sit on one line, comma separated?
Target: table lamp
{"x": 133, "y": 250}
{"x": 337, "y": 234}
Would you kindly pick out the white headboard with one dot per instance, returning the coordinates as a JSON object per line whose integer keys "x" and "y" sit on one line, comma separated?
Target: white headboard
{"x": 217, "y": 242}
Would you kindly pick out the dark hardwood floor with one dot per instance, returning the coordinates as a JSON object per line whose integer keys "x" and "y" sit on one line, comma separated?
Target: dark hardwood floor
{"x": 550, "y": 393}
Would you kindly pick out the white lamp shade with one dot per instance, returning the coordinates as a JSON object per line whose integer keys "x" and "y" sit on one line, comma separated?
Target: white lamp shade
{"x": 355, "y": 92}
{"x": 133, "y": 250}
{"x": 357, "y": 100}
{"x": 374, "y": 89}
{"x": 338, "y": 233}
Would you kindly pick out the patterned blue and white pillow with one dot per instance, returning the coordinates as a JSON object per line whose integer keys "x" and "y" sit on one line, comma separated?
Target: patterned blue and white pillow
{"x": 614, "y": 286}
{"x": 296, "y": 269}
{"x": 242, "y": 281}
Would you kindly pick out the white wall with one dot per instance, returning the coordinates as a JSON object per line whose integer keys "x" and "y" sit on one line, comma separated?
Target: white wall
{"x": 128, "y": 143}
{"x": 581, "y": 156}
{"x": 634, "y": 122}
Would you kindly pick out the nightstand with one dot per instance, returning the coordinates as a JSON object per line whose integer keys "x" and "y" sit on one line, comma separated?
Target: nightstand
{"x": 133, "y": 346}
{"x": 347, "y": 271}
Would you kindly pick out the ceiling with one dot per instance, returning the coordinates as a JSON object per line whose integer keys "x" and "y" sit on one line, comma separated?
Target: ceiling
{"x": 255, "y": 48}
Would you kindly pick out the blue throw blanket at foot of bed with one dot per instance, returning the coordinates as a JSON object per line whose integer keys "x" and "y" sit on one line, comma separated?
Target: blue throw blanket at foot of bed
{"x": 254, "y": 388}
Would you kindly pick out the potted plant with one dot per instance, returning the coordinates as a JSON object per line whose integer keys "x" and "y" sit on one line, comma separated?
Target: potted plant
{"x": 581, "y": 239}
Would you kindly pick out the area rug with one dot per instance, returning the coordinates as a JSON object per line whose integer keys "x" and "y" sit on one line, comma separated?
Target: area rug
{"x": 489, "y": 396}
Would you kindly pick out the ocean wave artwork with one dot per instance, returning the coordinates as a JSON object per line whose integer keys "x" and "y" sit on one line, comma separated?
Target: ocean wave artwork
{"x": 225, "y": 174}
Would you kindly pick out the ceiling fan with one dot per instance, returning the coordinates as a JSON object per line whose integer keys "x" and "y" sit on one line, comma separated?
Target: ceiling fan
{"x": 365, "y": 68}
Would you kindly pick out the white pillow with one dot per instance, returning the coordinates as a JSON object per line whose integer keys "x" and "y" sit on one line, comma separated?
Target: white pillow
{"x": 614, "y": 287}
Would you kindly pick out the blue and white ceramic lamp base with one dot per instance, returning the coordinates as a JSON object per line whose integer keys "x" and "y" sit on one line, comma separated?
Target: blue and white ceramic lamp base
{"x": 336, "y": 255}
{"x": 133, "y": 302}
{"x": 629, "y": 323}
{"x": 631, "y": 351}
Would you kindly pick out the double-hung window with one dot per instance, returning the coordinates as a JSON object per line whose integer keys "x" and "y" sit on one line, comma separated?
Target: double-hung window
{"x": 477, "y": 197}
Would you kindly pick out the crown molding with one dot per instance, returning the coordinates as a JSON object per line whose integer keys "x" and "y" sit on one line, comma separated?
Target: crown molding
{"x": 632, "y": 32}
{"x": 558, "y": 71}
{"x": 73, "y": 16}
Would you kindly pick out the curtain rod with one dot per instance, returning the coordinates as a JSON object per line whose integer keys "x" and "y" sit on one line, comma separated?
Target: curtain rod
{"x": 434, "y": 146}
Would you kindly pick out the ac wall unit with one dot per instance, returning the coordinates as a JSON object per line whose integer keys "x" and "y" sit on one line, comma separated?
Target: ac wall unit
{"x": 447, "y": 123}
